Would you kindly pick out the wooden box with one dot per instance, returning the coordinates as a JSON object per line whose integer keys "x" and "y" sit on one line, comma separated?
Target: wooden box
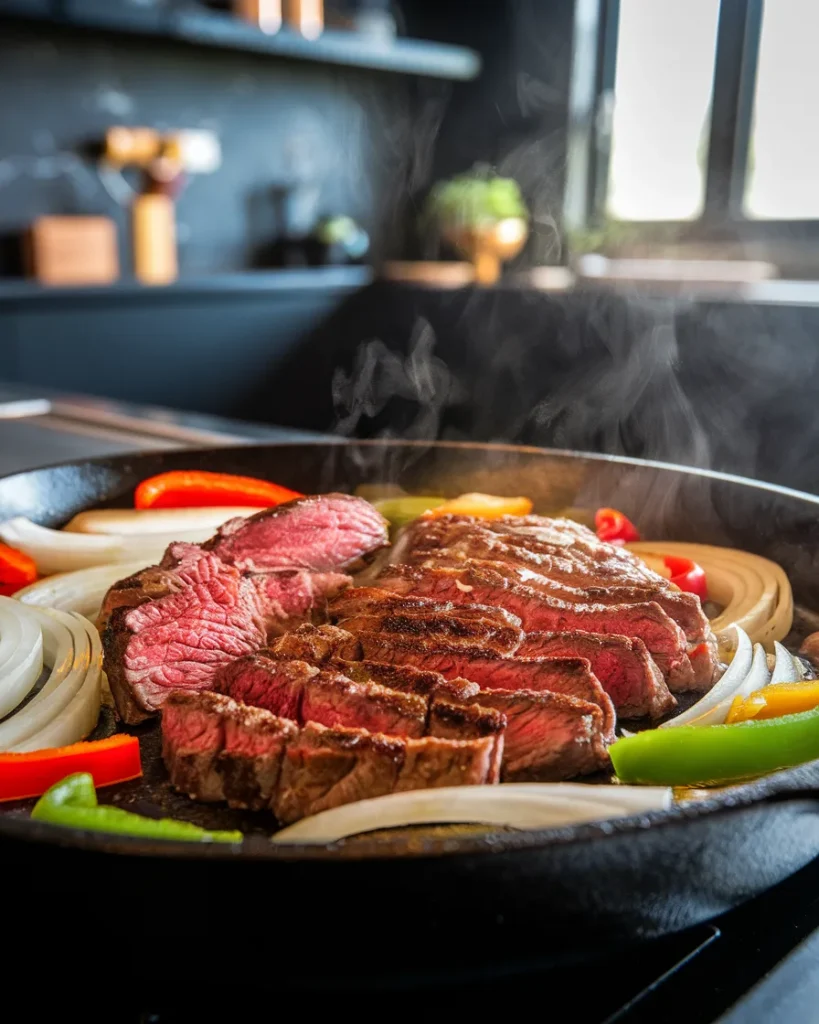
{"x": 73, "y": 250}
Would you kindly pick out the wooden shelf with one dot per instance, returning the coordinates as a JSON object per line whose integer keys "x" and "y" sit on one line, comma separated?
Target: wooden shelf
{"x": 200, "y": 27}
{"x": 325, "y": 279}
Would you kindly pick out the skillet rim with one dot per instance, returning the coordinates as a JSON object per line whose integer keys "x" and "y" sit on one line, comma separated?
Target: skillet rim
{"x": 770, "y": 789}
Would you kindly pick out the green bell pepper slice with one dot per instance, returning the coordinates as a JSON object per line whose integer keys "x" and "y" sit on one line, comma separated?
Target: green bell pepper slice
{"x": 400, "y": 511}
{"x": 73, "y": 802}
{"x": 710, "y": 755}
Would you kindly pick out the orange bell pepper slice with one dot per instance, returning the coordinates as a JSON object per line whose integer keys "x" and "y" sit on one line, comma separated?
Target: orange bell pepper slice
{"x": 17, "y": 570}
{"x": 775, "y": 701}
{"x": 197, "y": 488}
{"x": 482, "y": 506}
{"x": 109, "y": 761}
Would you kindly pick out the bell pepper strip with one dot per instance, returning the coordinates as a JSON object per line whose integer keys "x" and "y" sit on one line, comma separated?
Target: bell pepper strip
{"x": 775, "y": 701}
{"x": 483, "y": 506}
{"x": 612, "y": 526}
{"x": 197, "y": 488}
{"x": 403, "y": 510}
{"x": 17, "y": 570}
{"x": 108, "y": 761}
{"x": 687, "y": 575}
{"x": 73, "y": 802}
{"x": 694, "y": 756}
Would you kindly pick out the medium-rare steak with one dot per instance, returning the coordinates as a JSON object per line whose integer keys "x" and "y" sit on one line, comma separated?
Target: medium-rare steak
{"x": 316, "y": 645}
{"x": 538, "y": 612}
{"x": 410, "y": 679}
{"x": 180, "y": 640}
{"x": 572, "y": 676}
{"x": 296, "y": 772}
{"x": 623, "y": 666}
{"x": 215, "y": 749}
{"x": 448, "y": 625}
{"x": 549, "y": 736}
{"x": 303, "y": 693}
{"x": 324, "y": 768}
{"x": 319, "y": 533}
{"x": 375, "y": 601}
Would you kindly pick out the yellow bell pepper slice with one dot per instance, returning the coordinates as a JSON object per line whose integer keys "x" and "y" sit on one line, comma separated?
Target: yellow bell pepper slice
{"x": 483, "y": 506}
{"x": 775, "y": 701}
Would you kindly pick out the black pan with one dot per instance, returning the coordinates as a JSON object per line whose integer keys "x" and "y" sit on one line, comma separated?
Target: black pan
{"x": 435, "y": 900}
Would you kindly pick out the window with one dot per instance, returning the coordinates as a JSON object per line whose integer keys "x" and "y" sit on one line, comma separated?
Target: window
{"x": 702, "y": 118}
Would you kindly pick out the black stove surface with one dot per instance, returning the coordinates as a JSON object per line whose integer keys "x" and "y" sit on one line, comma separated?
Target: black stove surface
{"x": 757, "y": 963}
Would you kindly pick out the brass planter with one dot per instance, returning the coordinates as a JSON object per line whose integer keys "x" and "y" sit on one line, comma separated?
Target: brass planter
{"x": 486, "y": 246}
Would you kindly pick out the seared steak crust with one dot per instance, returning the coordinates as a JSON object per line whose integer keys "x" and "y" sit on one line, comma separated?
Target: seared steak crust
{"x": 216, "y": 748}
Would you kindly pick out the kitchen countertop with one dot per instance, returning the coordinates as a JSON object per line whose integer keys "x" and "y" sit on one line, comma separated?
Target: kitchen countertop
{"x": 39, "y": 427}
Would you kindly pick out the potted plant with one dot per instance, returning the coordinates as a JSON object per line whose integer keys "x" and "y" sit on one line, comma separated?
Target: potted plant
{"x": 481, "y": 215}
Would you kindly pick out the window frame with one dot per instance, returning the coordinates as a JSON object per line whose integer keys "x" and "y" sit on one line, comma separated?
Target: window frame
{"x": 739, "y": 31}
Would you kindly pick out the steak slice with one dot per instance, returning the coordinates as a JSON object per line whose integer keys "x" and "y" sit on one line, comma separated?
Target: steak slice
{"x": 410, "y": 679}
{"x": 538, "y": 612}
{"x": 215, "y": 749}
{"x": 182, "y": 639}
{"x": 303, "y": 693}
{"x": 623, "y": 666}
{"x": 571, "y": 676}
{"x": 606, "y": 562}
{"x": 375, "y": 601}
{"x": 290, "y": 597}
{"x": 324, "y": 768}
{"x": 684, "y": 609}
{"x": 316, "y": 645}
{"x": 321, "y": 533}
{"x": 448, "y": 625}
{"x": 549, "y": 736}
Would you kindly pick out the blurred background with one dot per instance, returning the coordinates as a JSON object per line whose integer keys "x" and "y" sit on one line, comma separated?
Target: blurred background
{"x": 576, "y": 223}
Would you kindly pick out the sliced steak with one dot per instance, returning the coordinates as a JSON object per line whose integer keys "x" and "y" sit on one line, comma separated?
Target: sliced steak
{"x": 623, "y": 666}
{"x": 410, "y": 679}
{"x": 146, "y": 585}
{"x": 303, "y": 693}
{"x": 684, "y": 609}
{"x": 375, "y": 601}
{"x": 292, "y": 596}
{"x": 181, "y": 639}
{"x": 324, "y": 768}
{"x": 539, "y": 612}
{"x": 316, "y": 645}
{"x": 572, "y": 676}
{"x": 448, "y": 625}
{"x": 321, "y": 533}
{"x": 549, "y": 736}
{"x": 592, "y": 558}
{"x": 216, "y": 749}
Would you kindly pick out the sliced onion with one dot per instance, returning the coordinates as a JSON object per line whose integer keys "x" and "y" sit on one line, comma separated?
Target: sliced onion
{"x": 21, "y": 654}
{"x": 786, "y": 669}
{"x": 141, "y": 521}
{"x": 57, "y": 551}
{"x": 71, "y": 711}
{"x": 755, "y": 593}
{"x": 759, "y": 676}
{"x": 708, "y": 709}
{"x": 523, "y": 806}
{"x": 81, "y": 591}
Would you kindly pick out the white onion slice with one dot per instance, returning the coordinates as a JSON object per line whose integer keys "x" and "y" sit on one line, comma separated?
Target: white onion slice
{"x": 21, "y": 654}
{"x": 786, "y": 669}
{"x": 81, "y": 591}
{"x": 142, "y": 521}
{"x": 58, "y": 551}
{"x": 523, "y": 806}
{"x": 723, "y": 692}
{"x": 70, "y": 712}
{"x": 759, "y": 676}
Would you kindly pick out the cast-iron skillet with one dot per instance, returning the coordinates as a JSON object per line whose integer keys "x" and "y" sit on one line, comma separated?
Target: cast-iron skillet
{"x": 436, "y": 900}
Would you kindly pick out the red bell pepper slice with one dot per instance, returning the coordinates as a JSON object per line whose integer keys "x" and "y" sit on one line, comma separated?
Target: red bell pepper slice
{"x": 108, "y": 761}
{"x": 201, "y": 489}
{"x": 687, "y": 575}
{"x": 17, "y": 570}
{"x": 614, "y": 528}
